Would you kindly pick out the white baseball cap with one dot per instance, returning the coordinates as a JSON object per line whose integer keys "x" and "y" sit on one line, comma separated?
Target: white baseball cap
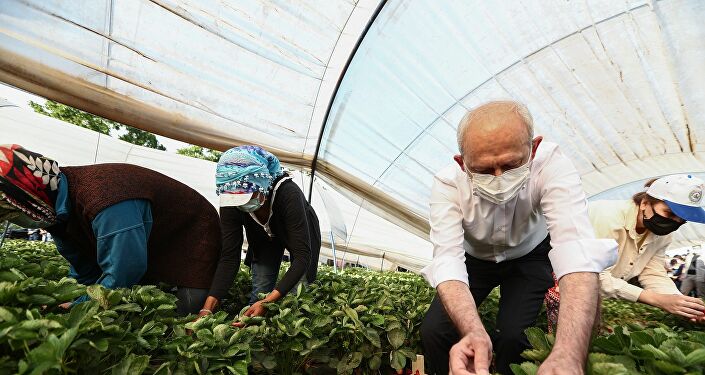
{"x": 683, "y": 193}
{"x": 234, "y": 199}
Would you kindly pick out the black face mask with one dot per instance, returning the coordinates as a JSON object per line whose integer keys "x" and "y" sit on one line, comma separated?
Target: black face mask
{"x": 660, "y": 225}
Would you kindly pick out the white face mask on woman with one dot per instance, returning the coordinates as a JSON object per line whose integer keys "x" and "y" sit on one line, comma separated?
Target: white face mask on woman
{"x": 253, "y": 204}
{"x": 502, "y": 188}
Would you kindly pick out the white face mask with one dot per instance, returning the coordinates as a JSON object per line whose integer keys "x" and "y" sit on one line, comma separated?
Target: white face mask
{"x": 252, "y": 205}
{"x": 502, "y": 188}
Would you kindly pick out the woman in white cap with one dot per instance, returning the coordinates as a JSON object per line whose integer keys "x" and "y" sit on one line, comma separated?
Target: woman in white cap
{"x": 643, "y": 227}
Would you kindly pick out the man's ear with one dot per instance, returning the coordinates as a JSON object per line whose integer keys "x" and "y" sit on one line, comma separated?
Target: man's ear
{"x": 535, "y": 145}
{"x": 459, "y": 159}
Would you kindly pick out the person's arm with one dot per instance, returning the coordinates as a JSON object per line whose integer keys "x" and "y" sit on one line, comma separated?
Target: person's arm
{"x": 654, "y": 278}
{"x": 84, "y": 270}
{"x": 614, "y": 287}
{"x": 121, "y": 232}
{"x": 474, "y": 350}
{"x": 448, "y": 274}
{"x": 660, "y": 291}
{"x": 292, "y": 204}
{"x": 231, "y": 227}
{"x": 576, "y": 318}
{"x": 577, "y": 257}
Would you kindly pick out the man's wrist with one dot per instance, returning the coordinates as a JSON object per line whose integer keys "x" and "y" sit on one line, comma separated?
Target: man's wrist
{"x": 568, "y": 356}
{"x": 473, "y": 326}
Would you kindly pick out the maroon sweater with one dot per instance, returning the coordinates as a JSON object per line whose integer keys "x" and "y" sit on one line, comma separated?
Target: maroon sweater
{"x": 185, "y": 242}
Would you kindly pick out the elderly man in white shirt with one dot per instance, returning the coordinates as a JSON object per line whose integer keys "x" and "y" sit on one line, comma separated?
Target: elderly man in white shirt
{"x": 491, "y": 216}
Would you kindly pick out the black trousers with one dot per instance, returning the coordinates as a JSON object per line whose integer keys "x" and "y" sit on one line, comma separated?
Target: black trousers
{"x": 522, "y": 284}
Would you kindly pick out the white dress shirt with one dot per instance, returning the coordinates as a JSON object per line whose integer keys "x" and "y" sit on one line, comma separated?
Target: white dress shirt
{"x": 552, "y": 201}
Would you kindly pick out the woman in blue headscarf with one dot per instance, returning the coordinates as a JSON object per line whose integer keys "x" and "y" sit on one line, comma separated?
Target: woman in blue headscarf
{"x": 257, "y": 196}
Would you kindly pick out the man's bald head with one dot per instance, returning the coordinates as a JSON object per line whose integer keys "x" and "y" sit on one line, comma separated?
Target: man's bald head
{"x": 496, "y": 137}
{"x": 492, "y": 117}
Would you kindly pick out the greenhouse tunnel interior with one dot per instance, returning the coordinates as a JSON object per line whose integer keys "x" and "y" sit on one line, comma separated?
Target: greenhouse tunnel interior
{"x": 361, "y": 99}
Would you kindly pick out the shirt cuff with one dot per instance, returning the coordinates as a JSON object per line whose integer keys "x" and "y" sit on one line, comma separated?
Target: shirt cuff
{"x": 630, "y": 292}
{"x": 588, "y": 255}
{"x": 444, "y": 269}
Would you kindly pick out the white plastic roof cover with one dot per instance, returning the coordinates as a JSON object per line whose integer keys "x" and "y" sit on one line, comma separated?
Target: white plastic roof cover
{"x": 618, "y": 84}
{"x": 72, "y": 145}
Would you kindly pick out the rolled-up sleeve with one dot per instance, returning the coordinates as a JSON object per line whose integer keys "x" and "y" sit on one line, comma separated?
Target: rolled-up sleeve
{"x": 446, "y": 235}
{"x": 575, "y": 248}
{"x": 614, "y": 287}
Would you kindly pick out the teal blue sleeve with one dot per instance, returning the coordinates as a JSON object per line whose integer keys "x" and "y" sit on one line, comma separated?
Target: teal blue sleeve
{"x": 122, "y": 231}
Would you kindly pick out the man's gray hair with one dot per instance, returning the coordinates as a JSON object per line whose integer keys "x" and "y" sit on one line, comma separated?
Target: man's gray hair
{"x": 504, "y": 106}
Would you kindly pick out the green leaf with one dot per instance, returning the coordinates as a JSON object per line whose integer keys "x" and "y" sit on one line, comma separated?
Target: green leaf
{"x": 696, "y": 357}
{"x": 537, "y": 338}
{"x": 658, "y": 353}
{"x": 609, "y": 369}
{"x": 98, "y": 293}
{"x": 516, "y": 369}
{"x": 221, "y": 331}
{"x": 269, "y": 362}
{"x": 529, "y": 368}
{"x": 38, "y": 323}
{"x": 676, "y": 355}
{"x": 536, "y": 354}
{"x": 669, "y": 368}
{"x": 99, "y": 345}
{"x": 610, "y": 345}
{"x": 131, "y": 365}
{"x": 128, "y": 307}
{"x": 373, "y": 336}
{"x": 352, "y": 314}
{"x": 6, "y": 315}
{"x": 238, "y": 368}
{"x": 642, "y": 338}
{"x": 349, "y": 362}
{"x": 397, "y": 360}
{"x": 396, "y": 337}
{"x": 375, "y": 362}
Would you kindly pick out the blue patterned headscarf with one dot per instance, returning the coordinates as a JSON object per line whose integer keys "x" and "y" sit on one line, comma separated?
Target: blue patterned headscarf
{"x": 246, "y": 169}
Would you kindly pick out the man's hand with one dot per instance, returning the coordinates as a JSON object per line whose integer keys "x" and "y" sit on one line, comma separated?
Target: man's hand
{"x": 678, "y": 304}
{"x": 558, "y": 364}
{"x": 471, "y": 355}
{"x": 65, "y": 305}
{"x": 257, "y": 309}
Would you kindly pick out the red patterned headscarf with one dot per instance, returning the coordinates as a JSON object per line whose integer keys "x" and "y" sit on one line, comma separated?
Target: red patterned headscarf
{"x": 28, "y": 187}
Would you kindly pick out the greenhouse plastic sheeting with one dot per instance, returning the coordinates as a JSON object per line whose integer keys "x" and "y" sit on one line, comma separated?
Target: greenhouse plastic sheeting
{"x": 72, "y": 145}
{"x": 618, "y": 84}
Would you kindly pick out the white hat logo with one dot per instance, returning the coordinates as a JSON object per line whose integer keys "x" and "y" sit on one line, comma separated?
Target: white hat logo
{"x": 695, "y": 195}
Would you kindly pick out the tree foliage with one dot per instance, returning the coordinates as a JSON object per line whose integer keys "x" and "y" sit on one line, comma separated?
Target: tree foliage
{"x": 97, "y": 123}
{"x": 200, "y": 153}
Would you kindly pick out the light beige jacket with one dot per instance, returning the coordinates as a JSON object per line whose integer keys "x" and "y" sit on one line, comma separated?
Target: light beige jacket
{"x": 617, "y": 220}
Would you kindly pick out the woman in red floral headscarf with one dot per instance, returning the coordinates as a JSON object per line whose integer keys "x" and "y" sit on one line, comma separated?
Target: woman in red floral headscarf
{"x": 119, "y": 224}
